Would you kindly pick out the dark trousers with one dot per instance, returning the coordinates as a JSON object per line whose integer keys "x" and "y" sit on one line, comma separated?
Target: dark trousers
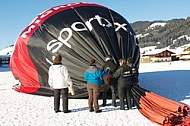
{"x": 64, "y": 93}
{"x": 124, "y": 94}
{"x": 93, "y": 95}
{"x": 113, "y": 91}
{"x": 132, "y": 99}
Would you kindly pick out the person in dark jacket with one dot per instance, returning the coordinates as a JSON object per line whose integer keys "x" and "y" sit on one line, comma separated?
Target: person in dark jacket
{"x": 109, "y": 82}
{"x": 124, "y": 83}
{"x": 93, "y": 75}
{"x": 134, "y": 71}
{"x": 134, "y": 75}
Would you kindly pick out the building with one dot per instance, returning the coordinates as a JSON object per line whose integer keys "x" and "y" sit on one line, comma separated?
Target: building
{"x": 158, "y": 55}
{"x": 4, "y": 60}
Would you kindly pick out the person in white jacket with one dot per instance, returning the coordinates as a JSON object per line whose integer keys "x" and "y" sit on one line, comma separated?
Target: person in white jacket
{"x": 59, "y": 80}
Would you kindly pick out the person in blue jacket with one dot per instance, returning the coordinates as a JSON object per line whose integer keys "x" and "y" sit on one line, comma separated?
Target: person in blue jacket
{"x": 93, "y": 75}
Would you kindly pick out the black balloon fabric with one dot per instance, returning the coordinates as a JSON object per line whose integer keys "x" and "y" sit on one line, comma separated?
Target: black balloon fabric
{"x": 78, "y": 32}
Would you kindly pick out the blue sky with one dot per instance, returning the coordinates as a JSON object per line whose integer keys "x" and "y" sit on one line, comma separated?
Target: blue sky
{"x": 16, "y": 15}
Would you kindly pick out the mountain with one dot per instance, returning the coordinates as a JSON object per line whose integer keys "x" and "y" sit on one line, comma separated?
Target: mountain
{"x": 172, "y": 33}
{"x": 7, "y": 51}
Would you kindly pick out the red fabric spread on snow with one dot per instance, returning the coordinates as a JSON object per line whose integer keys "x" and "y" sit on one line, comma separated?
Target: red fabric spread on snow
{"x": 156, "y": 107}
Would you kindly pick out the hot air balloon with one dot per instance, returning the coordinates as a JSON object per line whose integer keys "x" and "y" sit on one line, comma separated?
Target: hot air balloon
{"x": 76, "y": 31}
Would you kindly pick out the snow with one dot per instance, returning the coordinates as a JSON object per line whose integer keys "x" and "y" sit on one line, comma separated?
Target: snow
{"x": 7, "y": 51}
{"x": 142, "y": 35}
{"x": 169, "y": 79}
{"x": 181, "y": 37}
{"x": 156, "y": 24}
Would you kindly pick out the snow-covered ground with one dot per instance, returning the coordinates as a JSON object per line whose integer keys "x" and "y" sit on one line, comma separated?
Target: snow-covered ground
{"x": 169, "y": 79}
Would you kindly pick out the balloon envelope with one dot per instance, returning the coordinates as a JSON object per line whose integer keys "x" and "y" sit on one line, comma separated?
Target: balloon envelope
{"x": 78, "y": 32}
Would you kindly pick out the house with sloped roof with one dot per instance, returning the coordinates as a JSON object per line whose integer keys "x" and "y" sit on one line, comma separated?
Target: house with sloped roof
{"x": 183, "y": 52}
{"x": 158, "y": 55}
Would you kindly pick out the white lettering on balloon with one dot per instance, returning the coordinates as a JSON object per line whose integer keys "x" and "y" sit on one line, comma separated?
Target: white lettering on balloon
{"x": 120, "y": 26}
{"x": 35, "y": 23}
{"x": 100, "y": 22}
{"x": 24, "y": 35}
{"x": 74, "y": 26}
{"x": 64, "y": 41}
{"x": 55, "y": 44}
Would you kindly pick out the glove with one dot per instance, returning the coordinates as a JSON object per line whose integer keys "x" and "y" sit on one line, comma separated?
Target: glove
{"x": 71, "y": 90}
{"x": 107, "y": 68}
